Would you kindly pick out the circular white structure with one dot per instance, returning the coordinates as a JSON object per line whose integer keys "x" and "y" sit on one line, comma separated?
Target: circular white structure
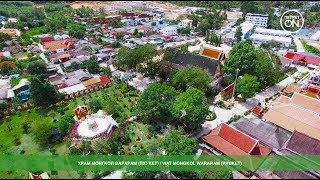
{"x": 95, "y": 125}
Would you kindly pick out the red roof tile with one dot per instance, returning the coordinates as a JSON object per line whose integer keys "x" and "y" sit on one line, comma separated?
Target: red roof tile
{"x": 303, "y": 57}
{"x": 104, "y": 79}
{"x": 47, "y": 39}
{"x": 230, "y": 141}
{"x": 145, "y": 16}
{"x": 257, "y": 110}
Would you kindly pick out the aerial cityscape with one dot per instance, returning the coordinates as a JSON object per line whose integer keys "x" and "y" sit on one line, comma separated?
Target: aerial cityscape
{"x": 160, "y": 78}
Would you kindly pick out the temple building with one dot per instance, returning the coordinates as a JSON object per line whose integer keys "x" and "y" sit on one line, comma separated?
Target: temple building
{"x": 90, "y": 126}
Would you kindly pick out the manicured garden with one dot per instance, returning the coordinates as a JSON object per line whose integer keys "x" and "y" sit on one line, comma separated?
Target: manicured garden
{"x": 15, "y": 136}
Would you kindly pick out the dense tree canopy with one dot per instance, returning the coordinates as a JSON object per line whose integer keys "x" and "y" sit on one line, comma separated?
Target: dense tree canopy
{"x": 104, "y": 146}
{"x": 41, "y": 133}
{"x": 65, "y": 124}
{"x": 192, "y": 76}
{"x": 247, "y": 86}
{"x": 133, "y": 57}
{"x": 243, "y": 56}
{"x": 175, "y": 143}
{"x": 155, "y": 103}
{"x": 77, "y": 30}
{"x": 191, "y": 108}
{"x": 37, "y": 68}
{"x": 95, "y": 105}
{"x": 238, "y": 34}
{"x": 43, "y": 93}
{"x": 91, "y": 65}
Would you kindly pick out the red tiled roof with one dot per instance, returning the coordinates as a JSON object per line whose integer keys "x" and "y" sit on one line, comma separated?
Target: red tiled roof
{"x": 47, "y": 39}
{"x": 230, "y": 141}
{"x": 128, "y": 14}
{"x": 257, "y": 110}
{"x": 145, "y": 16}
{"x": 104, "y": 79}
{"x": 61, "y": 86}
{"x": 229, "y": 89}
{"x": 303, "y": 57}
{"x": 313, "y": 89}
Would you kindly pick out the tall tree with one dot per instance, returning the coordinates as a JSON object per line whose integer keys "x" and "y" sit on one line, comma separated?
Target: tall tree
{"x": 191, "y": 108}
{"x": 192, "y": 76}
{"x": 243, "y": 56}
{"x": 37, "y": 67}
{"x": 43, "y": 93}
{"x": 175, "y": 143}
{"x": 238, "y": 33}
{"x": 41, "y": 132}
{"x": 155, "y": 102}
{"x": 247, "y": 86}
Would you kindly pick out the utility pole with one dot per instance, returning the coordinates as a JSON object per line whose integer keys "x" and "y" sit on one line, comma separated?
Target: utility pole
{"x": 234, "y": 86}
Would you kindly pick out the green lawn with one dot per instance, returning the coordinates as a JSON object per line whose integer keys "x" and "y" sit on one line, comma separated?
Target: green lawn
{"x": 14, "y": 141}
{"x": 12, "y": 138}
{"x": 21, "y": 55}
{"x": 34, "y": 31}
{"x": 137, "y": 130}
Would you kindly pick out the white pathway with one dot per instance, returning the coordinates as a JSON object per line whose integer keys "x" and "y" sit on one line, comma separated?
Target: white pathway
{"x": 299, "y": 44}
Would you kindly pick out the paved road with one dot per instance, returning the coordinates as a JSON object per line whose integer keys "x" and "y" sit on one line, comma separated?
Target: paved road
{"x": 299, "y": 44}
{"x": 224, "y": 115}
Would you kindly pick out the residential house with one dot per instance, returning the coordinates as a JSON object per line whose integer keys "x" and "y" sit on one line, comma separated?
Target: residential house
{"x": 186, "y": 23}
{"x": 10, "y": 32}
{"x": 131, "y": 21}
{"x": 59, "y": 46}
{"x": 304, "y": 58}
{"x": 13, "y": 49}
{"x": 6, "y": 93}
{"x": 182, "y": 59}
{"x": 12, "y": 20}
{"x": 146, "y": 17}
{"x": 64, "y": 57}
{"x": 128, "y": 15}
{"x": 6, "y": 54}
{"x": 314, "y": 78}
{"x": 46, "y": 39}
{"x": 22, "y": 90}
{"x": 33, "y": 49}
{"x": 169, "y": 31}
{"x": 77, "y": 60}
{"x": 258, "y": 39}
{"x": 226, "y": 140}
{"x": 299, "y": 113}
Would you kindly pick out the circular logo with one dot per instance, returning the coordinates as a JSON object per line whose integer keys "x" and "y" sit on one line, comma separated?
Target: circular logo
{"x": 292, "y": 20}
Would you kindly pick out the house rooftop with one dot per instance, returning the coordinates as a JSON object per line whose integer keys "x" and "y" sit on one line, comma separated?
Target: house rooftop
{"x": 299, "y": 113}
{"x": 266, "y": 133}
{"x": 231, "y": 141}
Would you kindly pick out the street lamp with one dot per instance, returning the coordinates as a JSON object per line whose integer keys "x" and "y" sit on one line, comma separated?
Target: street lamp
{"x": 235, "y": 83}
